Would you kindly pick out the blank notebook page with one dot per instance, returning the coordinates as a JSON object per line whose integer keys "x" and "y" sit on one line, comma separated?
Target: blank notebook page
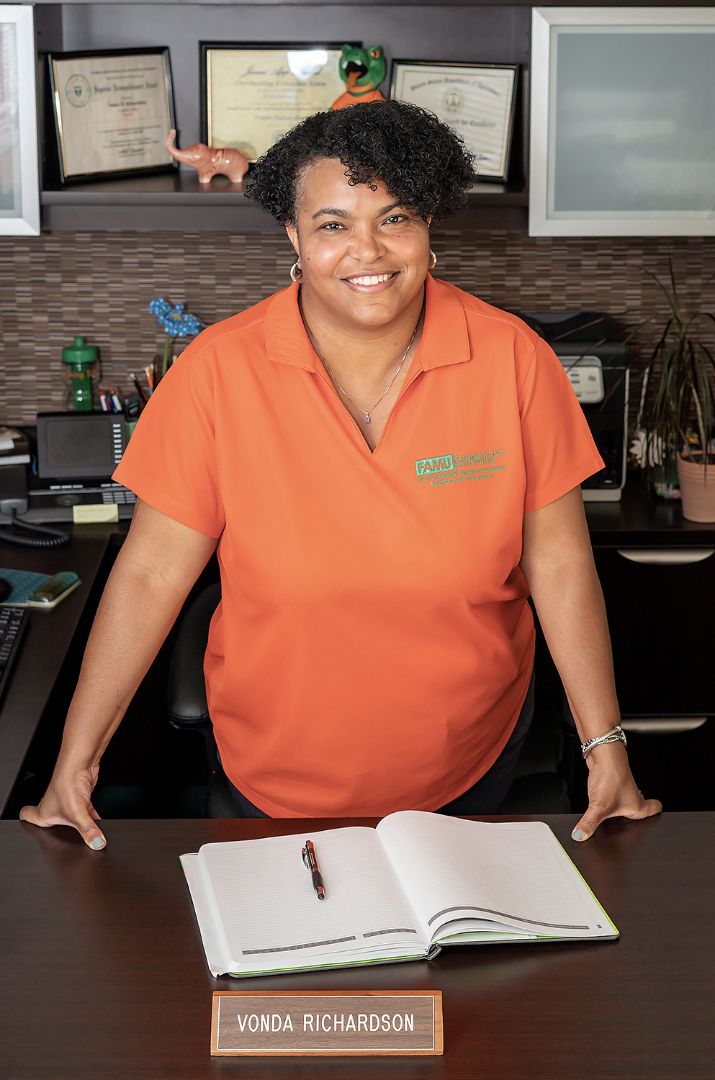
{"x": 264, "y": 896}
{"x": 514, "y": 872}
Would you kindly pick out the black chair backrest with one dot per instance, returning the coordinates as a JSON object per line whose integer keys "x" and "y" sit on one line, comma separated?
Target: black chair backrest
{"x": 186, "y": 688}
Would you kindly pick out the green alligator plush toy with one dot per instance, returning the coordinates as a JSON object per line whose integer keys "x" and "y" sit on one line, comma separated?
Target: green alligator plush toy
{"x": 362, "y": 71}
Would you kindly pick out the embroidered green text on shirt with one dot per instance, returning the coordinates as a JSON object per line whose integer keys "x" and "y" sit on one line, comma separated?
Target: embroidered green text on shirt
{"x": 455, "y": 468}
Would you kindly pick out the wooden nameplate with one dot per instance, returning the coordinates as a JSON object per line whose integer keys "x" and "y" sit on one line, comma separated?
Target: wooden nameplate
{"x": 375, "y": 1022}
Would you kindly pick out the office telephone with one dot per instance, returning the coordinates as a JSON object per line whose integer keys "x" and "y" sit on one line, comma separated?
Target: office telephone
{"x": 76, "y": 456}
{"x": 13, "y": 504}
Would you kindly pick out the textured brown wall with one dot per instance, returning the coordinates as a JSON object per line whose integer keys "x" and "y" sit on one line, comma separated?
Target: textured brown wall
{"x": 99, "y": 284}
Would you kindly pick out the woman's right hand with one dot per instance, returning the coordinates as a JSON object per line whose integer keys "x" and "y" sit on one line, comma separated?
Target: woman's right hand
{"x": 68, "y": 801}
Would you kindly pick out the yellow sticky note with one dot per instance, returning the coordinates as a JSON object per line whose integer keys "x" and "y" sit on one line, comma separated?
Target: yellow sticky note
{"x": 94, "y": 513}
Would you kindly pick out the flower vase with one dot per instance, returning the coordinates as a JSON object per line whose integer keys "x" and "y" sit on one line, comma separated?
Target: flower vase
{"x": 166, "y": 359}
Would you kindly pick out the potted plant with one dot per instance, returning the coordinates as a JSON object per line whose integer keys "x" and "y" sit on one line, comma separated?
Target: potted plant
{"x": 674, "y": 429}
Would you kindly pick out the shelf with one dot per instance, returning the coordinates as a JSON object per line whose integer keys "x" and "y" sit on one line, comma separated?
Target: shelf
{"x": 375, "y": 3}
{"x": 146, "y": 203}
{"x": 641, "y": 519}
{"x": 177, "y": 201}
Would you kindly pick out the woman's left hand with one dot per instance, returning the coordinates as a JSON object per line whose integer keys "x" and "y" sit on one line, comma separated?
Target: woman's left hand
{"x": 612, "y": 791}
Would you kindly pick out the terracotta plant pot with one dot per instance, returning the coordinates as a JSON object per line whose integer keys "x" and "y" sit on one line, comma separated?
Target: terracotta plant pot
{"x": 697, "y": 491}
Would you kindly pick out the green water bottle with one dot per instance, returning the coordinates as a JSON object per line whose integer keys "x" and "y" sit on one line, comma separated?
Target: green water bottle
{"x": 81, "y": 361}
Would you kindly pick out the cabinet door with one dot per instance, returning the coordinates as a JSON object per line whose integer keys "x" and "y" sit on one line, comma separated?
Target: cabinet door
{"x": 19, "y": 185}
{"x": 622, "y": 102}
{"x": 661, "y": 615}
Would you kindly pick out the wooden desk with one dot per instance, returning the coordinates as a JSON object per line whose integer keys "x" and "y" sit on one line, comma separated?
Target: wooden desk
{"x": 105, "y": 977}
{"x": 47, "y": 639}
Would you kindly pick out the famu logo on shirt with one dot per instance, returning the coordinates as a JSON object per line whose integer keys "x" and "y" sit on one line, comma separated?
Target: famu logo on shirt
{"x": 424, "y": 466}
{"x": 456, "y": 468}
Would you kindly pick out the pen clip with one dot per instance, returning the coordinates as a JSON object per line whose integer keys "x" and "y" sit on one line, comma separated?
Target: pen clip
{"x": 306, "y": 857}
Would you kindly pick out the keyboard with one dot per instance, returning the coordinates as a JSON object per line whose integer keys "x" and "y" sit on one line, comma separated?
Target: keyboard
{"x": 13, "y": 621}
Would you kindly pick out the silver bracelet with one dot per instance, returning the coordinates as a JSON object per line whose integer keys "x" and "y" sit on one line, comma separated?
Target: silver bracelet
{"x": 616, "y": 734}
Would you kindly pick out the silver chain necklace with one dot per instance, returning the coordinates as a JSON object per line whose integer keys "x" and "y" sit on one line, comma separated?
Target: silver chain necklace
{"x": 368, "y": 418}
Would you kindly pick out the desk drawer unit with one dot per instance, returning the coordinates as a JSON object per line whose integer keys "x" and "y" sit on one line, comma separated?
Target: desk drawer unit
{"x": 661, "y": 615}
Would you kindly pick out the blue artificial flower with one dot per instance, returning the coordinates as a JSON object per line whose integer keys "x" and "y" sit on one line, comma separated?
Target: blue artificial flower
{"x": 174, "y": 320}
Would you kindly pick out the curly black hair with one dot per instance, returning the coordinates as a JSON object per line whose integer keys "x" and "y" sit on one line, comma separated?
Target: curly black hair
{"x": 421, "y": 161}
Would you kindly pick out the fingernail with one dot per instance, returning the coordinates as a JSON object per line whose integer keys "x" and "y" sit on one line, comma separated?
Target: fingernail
{"x": 98, "y": 843}
{"x": 578, "y": 834}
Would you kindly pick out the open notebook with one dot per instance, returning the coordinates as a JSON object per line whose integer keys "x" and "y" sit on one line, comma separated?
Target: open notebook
{"x": 401, "y": 891}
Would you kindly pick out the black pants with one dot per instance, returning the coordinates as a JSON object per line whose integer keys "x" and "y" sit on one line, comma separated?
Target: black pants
{"x": 484, "y": 797}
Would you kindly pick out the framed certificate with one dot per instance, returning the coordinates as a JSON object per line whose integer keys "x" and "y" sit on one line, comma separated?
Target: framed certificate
{"x": 19, "y": 184}
{"x": 477, "y": 100}
{"x": 113, "y": 111}
{"x": 253, "y": 94}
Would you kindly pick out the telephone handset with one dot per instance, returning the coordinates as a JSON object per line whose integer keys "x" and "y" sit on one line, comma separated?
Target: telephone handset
{"x": 14, "y": 503}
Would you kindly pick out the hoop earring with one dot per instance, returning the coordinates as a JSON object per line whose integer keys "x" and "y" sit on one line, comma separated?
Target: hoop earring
{"x": 295, "y": 272}
{"x": 433, "y": 259}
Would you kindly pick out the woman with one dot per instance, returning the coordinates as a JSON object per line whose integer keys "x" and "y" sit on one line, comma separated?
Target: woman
{"x": 388, "y": 467}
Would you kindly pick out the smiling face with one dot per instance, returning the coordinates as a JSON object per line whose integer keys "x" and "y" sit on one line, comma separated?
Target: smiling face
{"x": 364, "y": 257}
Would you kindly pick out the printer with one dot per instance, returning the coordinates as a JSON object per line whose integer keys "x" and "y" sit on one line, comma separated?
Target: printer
{"x": 594, "y": 352}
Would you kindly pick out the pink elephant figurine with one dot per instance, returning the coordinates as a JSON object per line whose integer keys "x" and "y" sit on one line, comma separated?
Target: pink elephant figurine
{"x": 208, "y": 161}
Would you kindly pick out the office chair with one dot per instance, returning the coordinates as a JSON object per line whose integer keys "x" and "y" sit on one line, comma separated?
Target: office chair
{"x": 186, "y": 693}
{"x": 544, "y": 773}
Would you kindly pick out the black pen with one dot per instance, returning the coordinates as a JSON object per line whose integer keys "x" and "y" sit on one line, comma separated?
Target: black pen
{"x": 311, "y": 861}
{"x": 139, "y": 390}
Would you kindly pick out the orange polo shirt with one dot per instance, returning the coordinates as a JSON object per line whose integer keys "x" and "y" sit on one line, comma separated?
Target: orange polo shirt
{"x": 374, "y": 644}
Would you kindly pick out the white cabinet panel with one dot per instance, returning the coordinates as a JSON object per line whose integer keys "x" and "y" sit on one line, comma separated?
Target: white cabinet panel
{"x": 19, "y": 187}
{"x": 623, "y": 121}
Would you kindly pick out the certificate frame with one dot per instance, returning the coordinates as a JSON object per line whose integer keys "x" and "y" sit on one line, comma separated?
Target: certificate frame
{"x": 71, "y": 170}
{"x": 273, "y": 52}
{"x": 446, "y": 101}
{"x": 19, "y": 162}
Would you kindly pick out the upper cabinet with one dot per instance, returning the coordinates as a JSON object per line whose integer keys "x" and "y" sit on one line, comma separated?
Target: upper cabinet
{"x": 622, "y": 133}
{"x": 19, "y": 202}
{"x": 619, "y": 121}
